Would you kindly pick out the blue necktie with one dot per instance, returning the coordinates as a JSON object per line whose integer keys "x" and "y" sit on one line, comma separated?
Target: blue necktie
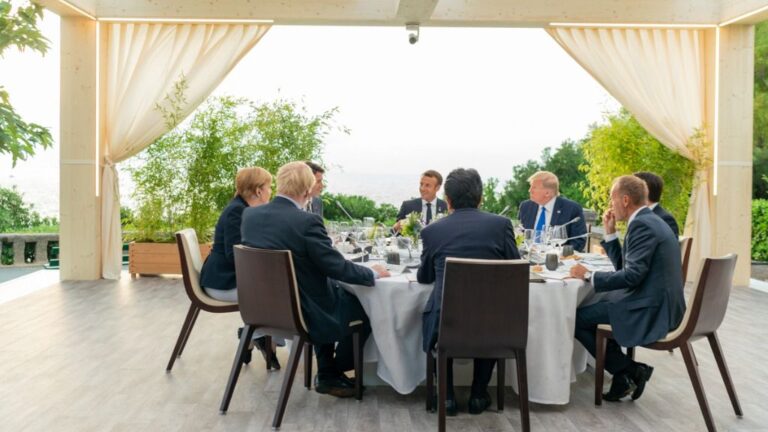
{"x": 542, "y": 220}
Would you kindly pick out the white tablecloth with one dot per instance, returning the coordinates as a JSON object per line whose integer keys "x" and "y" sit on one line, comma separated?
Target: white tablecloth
{"x": 394, "y": 306}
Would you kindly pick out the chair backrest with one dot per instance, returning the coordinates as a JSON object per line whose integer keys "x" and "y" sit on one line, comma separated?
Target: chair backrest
{"x": 485, "y": 308}
{"x": 267, "y": 290}
{"x": 706, "y": 311}
{"x": 685, "y": 254}
{"x": 191, "y": 263}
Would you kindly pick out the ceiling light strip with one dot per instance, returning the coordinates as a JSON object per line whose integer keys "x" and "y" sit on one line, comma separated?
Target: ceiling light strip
{"x": 188, "y": 20}
{"x": 77, "y": 9}
{"x": 629, "y": 25}
{"x": 744, "y": 16}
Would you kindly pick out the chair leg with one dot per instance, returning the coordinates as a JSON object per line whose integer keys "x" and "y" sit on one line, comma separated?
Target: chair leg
{"x": 600, "y": 346}
{"x": 430, "y": 380}
{"x": 185, "y": 329}
{"x": 718, "y": 351}
{"x": 267, "y": 347}
{"x": 237, "y": 364}
{"x": 189, "y": 331}
{"x": 358, "y": 350}
{"x": 308, "y": 365}
{"x": 285, "y": 390}
{"x": 522, "y": 385}
{"x": 442, "y": 389}
{"x": 500, "y": 381}
{"x": 693, "y": 372}
{"x": 631, "y": 352}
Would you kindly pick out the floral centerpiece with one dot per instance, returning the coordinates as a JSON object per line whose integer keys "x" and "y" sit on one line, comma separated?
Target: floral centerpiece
{"x": 411, "y": 226}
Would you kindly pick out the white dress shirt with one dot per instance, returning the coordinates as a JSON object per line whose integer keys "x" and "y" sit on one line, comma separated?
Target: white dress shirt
{"x": 550, "y": 206}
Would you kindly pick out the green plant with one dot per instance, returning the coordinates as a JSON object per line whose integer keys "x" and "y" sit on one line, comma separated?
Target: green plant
{"x": 19, "y": 30}
{"x": 358, "y": 207}
{"x": 621, "y": 146}
{"x": 6, "y": 253}
{"x": 760, "y": 230}
{"x": 760, "y": 110}
{"x": 185, "y": 178}
{"x": 15, "y": 214}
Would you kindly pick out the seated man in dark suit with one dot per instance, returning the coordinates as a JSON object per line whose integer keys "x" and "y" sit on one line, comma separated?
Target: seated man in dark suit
{"x": 655, "y": 186}
{"x": 547, "y": 208}
{"x": 315, "y": 204}
{"x": 648, "y": 268}
{"x": 428, "y": 205}
{"x": 326, "y": 307}
{"x": 466, "y": 233}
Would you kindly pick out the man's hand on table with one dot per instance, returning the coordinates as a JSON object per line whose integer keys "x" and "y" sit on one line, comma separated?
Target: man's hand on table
{"x": 578, "y": 271}
{"x": 380, "y": 270}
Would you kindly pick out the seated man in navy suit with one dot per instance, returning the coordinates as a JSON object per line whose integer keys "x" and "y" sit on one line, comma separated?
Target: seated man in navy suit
{"x": 648, "y": 268}
{"x": 466, "y": 233}
{"x": 655, "y": 186}
{"x": 428, "y": 205}
{"x": 327, "y": 308}
{"x": 547, "y": 208}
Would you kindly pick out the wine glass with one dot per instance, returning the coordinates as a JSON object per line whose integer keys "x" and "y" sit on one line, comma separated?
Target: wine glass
{"x": 529, "y": 238}
{"x": 558, "y": 235}
{"x": 380, "y": 239}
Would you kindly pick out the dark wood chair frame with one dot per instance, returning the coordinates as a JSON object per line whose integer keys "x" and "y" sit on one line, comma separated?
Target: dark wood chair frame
{"x": 694, "y": 326}
{"x": 199, "y": 301}
{"x": 438, "y": 359}
{"x": 289, "y": 324}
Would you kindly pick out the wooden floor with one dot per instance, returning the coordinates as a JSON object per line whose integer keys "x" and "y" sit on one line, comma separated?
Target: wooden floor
{"x": 91, "y": 356}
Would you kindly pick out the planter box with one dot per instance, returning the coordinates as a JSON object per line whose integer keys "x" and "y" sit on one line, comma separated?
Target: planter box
{"x": 157, "y": 258}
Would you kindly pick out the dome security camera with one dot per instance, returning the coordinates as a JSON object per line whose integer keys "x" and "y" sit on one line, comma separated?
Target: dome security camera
{"x": 413, "y": 33}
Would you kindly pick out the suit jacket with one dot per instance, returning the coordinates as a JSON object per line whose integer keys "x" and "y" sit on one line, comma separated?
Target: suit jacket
{"x": 466, "y": 233}
{"x": 414, "y": 205}
{"x": 219, "y": 268}
{"x": 280, "y": 225}
{"x": 648, "y": 267}
{"x": 316, "y": 206}
{"x": 668, "y": 218}
{"x": 564, "y": 210}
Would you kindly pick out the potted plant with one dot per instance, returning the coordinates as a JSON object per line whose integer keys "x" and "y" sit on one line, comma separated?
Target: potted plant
{"x": 186, "y": 177}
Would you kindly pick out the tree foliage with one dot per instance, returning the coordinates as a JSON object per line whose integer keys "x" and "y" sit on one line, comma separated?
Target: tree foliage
{"x": 358, "y": 207}
{"x": 760, "y": 126}
{"x": 19, "y": 29}
{"x": 760, "y": 230}
{"x": 186, "y": 177}
{"x": 621, "y": 146}
{"x": 16, "y": 215}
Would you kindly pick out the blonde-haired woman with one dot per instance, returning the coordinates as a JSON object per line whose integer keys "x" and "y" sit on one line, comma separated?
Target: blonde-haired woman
{"x": 253, "y": 188}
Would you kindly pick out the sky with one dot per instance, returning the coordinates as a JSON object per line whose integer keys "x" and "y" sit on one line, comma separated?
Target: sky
{"x": 461, "y": 97}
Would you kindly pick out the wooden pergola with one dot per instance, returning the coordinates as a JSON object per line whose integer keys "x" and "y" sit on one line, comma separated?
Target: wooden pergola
{"x": 727, "y": 38}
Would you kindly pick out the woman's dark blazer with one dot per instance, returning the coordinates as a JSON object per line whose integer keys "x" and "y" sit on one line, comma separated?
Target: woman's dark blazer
{"x": 219, "y": 268}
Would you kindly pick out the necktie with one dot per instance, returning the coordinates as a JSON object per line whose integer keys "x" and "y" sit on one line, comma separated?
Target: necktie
{"x": 542, "y": 220}
{"x": 429, "y": 213}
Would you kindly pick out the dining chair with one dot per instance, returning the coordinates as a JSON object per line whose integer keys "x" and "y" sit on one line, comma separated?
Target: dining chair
{"x": 191, "y": 263}
{"x": 702, "y": 319}
{"x": 685, "y": 255}
{"x": 270, "y": 303}
{"x": 484, "y": 315}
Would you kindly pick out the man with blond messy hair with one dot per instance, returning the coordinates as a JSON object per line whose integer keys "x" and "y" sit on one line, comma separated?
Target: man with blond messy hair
{"x": 327, "y": 308}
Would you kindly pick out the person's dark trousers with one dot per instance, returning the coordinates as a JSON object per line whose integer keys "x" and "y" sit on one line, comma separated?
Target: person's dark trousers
{"x": 333, "y": 359}
{"x": 481, "y": 376}
{"x": 587, "y": 319}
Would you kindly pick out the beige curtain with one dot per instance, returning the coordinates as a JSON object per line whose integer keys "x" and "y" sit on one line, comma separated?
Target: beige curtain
{"x": 658, "y": 75}
{"x": 144, "y": 62}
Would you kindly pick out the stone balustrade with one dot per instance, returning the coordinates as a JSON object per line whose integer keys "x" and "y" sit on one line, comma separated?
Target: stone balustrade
{"x": 20, "y": 242}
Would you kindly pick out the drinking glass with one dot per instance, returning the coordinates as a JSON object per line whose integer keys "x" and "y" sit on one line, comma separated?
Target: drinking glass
{"x": 529, "y": 238}
{"x": 558, "y": 235}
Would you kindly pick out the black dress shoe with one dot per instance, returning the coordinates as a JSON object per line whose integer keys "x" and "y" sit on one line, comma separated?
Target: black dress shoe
{"x": 640, "y": 374}
{"x": 621, "y": 387}
{"x": 247, "y": 354}
{"x": 334, "y": 386}
{"x": 478, "y": 403}
{"x": 270, "y": 357}
{"x": 349, "y": 380}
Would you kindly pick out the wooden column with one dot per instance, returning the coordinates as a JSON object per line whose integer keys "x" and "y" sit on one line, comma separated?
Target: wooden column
{"x": 733, "y": 154}
{"x": 80, "y": 204}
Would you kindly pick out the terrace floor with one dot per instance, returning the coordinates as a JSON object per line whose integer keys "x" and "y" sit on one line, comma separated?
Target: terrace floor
{"x": 91, "y": 356}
